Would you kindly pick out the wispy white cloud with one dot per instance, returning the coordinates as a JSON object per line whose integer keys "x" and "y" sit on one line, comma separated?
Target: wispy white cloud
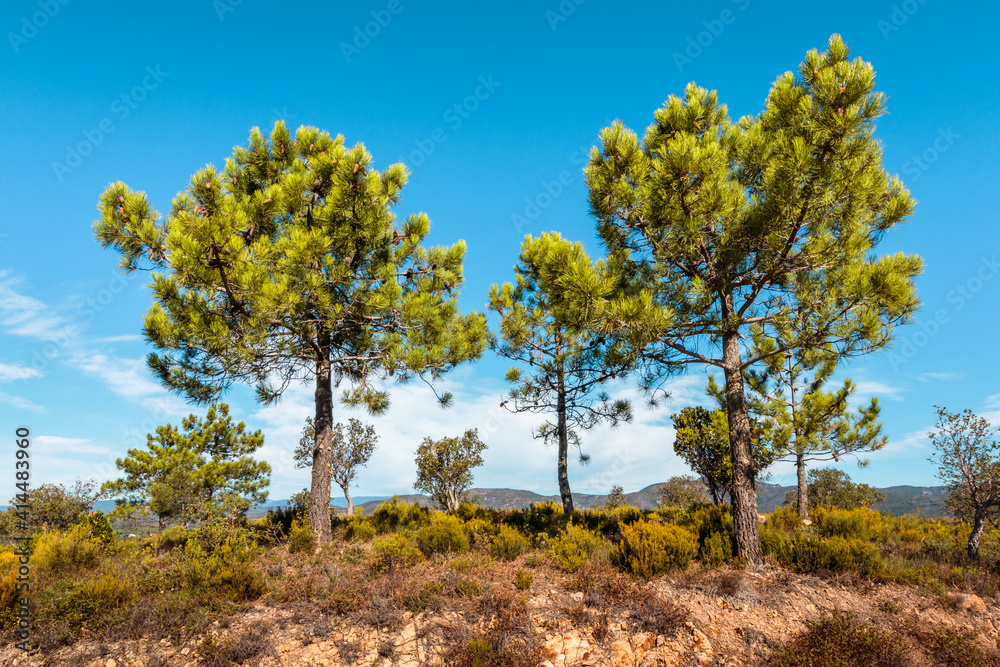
{"x": 20, "y": 403}
{"x": 9, "y": 373}
{"x": 866, "y": 389}
{"x": 24, "y": 315}
{"x": 940, "y": 377}
{"x": 59, "y": 445}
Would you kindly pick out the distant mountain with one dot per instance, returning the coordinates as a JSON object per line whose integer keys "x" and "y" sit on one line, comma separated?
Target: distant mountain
{"x": 926, "y": 500}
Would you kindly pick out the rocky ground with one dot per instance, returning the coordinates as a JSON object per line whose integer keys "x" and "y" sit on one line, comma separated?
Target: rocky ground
{"x": 723, "y": 618}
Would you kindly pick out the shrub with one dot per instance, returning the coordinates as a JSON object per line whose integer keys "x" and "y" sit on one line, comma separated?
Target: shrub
{"x": 393, "y": 552}
{"x": 481, "y": 531}
{"x": 840, "y": 640}
{"x": 96, "y": 526}
{"x": 301, "y": 538}
{"x": 508, "y": 544}
{"x": 395, "y": 515}
{"x": 717, "y": 549}
{"x": 574, "y": 547}
{"x": 360, "y": 528}
{"x": 785, "y": 519}
{"x": 858, "y": 524}
{"x": 60, "y": 552}
{"x": 444, "y": 534}
{"x": 808, "y": 553}
{"x": 547, "y": 518}
{"x": 9, "y": 595}
{"x": 955, "y": 648}
{"x": 523, "y": 580}
{"x": 94, "y": 599}
{"x": 649, "y": 549}
{"x": 171, "y": 538}
{"x": 219, "y": 559}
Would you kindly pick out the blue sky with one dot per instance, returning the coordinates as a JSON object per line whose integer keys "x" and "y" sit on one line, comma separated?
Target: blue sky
{"x": 492, "y": 106}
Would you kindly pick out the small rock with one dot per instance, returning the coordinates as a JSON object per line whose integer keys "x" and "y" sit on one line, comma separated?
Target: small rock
{"x": 111, "y": 663}
{"x": 970, "y": 603}
{"x": 578, "y": 596}
{"x": 184, "y": 651}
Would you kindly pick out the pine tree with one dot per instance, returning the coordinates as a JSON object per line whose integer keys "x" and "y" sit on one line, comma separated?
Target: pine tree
{"x": 202, "y": 471}
{"x": 286, "y": 266}
{"x": 543, "y": 328}
{"x": 766, "y": 225}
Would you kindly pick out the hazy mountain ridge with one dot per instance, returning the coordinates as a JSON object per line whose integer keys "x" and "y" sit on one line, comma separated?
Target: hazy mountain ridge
{"x": 904, "y": 499}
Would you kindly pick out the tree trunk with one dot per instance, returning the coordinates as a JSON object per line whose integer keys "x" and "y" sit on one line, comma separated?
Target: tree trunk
{"x": 978, "y": 525}
{"x": 322, "y": 468}
{"x": 160, "y": 523}
{"x": 350, "y": 501}
{"x": 561, "y": 431}
{"x": 800, "y": 463}
{"x": 744, "y": 491}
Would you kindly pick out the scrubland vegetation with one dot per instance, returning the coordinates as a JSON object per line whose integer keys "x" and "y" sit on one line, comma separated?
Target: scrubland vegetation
{"x": 90, "y": 584}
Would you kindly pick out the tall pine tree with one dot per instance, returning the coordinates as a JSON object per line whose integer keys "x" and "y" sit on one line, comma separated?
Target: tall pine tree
{"x": 289, "y": 265}
{"x": 546, "y": 331}
{"x": 732, "y": 229}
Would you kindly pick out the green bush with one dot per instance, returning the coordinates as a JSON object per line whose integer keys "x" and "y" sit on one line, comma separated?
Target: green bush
{"x": 809, "y": 553}
{"x": 717, "y": 549}
{"x": 393, "y": 552}
{"x": 220, "y": 560}
{"x": 609, "y": 522}
{"x": 649, "y": 549}
{"x": 857, "y": 524}
{"x": 784, "y": 519}
{"x": 171, "y": 538}
{"x": 395, "y": 515}
{"x": 61, "y": 552}
{"x": 523, "y": 580}
{"x": 841, "y": 640}
{"x": 574, "y": 547}
{"x": 301, "y": 538}
{"x": 444, "y": 534}
{"x": 547, "y": 518}
{"x": 360, "y": 528}
{"x": 99, "y": 596}
{"x": 480, "y": 531}
{"x": 508, "y": 544}
{"x": 96, "y": 526}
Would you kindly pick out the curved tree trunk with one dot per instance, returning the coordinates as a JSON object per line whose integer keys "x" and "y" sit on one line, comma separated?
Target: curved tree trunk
{"x": 803, "y": 491}
{"x": 978, "y": 525}
{"x": 322, "y": 468}
{"x": 744, "y": 491}
{"x": 350, "y": 501}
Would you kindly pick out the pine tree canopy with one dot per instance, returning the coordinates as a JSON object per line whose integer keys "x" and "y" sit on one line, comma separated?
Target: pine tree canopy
{"x": 289, "y": 254}
{"x": 763, "y": 229}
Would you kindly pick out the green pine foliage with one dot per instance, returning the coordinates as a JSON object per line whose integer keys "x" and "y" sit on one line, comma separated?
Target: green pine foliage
{"x": 289, "y": 264}
{"x": 729, "y": 233}
{"x": 563, "y": 358}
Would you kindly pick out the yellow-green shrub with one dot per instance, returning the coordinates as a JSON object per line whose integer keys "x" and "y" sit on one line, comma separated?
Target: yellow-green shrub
{"x": 858, "y": 524}
{"x": 393, "y": 552}
{"x": 717, "y": 549}
{"x": 57, "y": 551}
{"x": 508, "y": 544}
{"x": 649, "y": 549}
{"x": 9, "y": 595}
{"x": 785, "y": 519}
{"x": 573, "y": 548}
{"x": 480, "y": 531}
{"x": 301, "y": 538}
{"x": 225, "y": 567}
{"x": 809, "y": 553}
{"x": 94, "y": 599}
{"x": 360, "y": 528}
{"x": 444, "y": 533}
{"x": 395, "y": 514}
